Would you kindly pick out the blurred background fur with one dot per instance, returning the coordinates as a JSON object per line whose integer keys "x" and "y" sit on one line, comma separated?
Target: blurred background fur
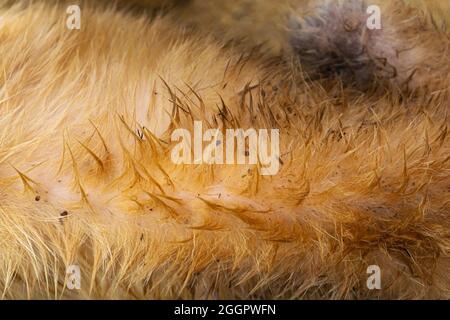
{"x": 259, "y": 21}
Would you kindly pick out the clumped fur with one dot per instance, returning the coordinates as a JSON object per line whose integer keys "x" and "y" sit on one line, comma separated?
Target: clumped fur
{"x": 86, "y": 176}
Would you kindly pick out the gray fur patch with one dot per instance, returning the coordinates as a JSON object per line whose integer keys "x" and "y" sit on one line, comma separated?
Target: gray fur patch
{"x": 333, "y": 41}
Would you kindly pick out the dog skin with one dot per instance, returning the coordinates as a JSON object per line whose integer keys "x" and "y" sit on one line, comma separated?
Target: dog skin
{"x": 86, "y": 176}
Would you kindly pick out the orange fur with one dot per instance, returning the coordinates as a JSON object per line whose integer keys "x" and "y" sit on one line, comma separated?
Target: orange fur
{"x": 86, "y": 176}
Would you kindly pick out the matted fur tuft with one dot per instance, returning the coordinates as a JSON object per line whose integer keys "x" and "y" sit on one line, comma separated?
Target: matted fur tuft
{"x": 86, "y": 176}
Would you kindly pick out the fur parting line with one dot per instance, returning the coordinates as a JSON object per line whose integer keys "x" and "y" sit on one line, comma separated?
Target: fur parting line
{"x": 86, "y": 177}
